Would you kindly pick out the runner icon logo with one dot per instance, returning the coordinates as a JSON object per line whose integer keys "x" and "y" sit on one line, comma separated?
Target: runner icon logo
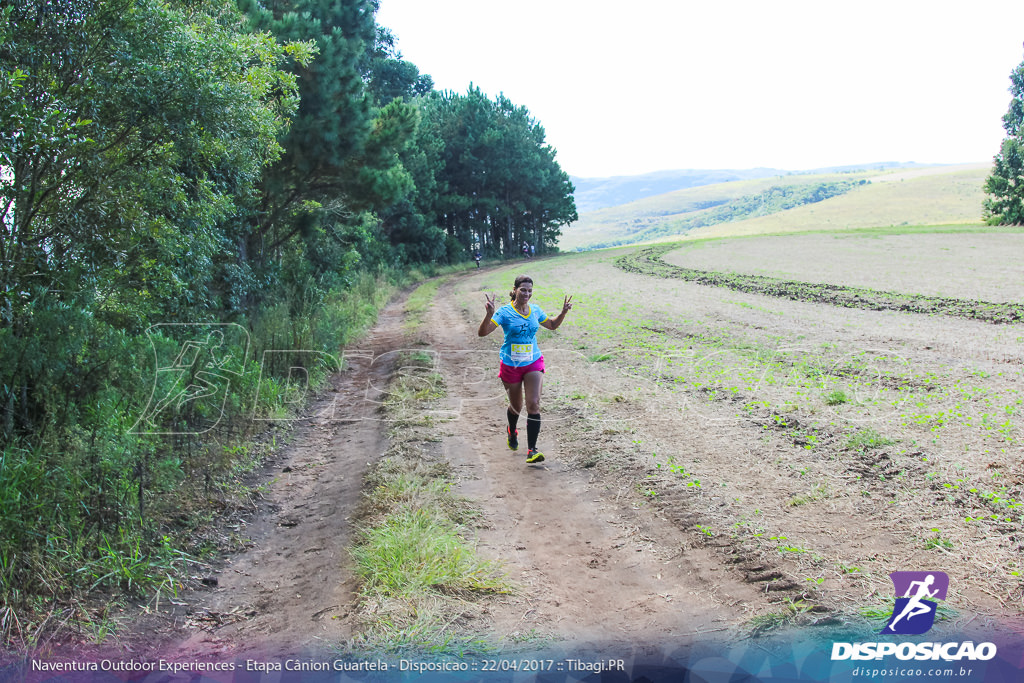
{"x": 914, "y": 612}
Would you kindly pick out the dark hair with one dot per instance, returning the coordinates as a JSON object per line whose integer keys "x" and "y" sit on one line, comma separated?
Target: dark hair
{"x": 519, "y": 280}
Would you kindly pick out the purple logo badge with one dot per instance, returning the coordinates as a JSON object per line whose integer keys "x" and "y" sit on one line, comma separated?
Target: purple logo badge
{"x": 916, "y": 592}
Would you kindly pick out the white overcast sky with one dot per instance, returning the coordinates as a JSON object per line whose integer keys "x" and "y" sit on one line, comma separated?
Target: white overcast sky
{"x": 631, "y": 87}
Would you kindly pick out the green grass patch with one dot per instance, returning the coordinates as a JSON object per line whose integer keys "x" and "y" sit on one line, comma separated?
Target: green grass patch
{"x": 419, "y": 570}
{"x": 937, "y": 541}
{"x": 417, "y": 382}
{"x": 880, "y": 614}
{"x": 794, "y": 613}
{"x": 836, "y": 397}
{"x": 420, "y": 551}
{"x": 418, "y": 304}
{"x": 817, "y": 492}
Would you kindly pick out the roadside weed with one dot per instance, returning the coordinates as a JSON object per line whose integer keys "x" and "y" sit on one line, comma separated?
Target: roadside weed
{"x": 836, "y": 397}
{"x": 867, "y": 439}
{"x": 937, "y": 541}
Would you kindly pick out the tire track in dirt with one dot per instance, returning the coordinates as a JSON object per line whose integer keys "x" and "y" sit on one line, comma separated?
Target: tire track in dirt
{"x": 292, "y": 590}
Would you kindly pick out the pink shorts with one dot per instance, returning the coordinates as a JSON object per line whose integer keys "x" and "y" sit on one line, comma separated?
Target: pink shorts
{"x": 511, "y": 374}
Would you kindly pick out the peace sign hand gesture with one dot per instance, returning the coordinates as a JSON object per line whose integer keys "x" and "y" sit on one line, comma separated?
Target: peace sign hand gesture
{"x": 553, "y": 323}
{"x": 487, "y": 325}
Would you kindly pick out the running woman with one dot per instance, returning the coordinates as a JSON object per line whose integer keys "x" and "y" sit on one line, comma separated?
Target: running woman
{"x": 522, "y": 365}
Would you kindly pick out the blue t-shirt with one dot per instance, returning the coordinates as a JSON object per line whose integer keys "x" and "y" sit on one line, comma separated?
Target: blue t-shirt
{"x": 520, "y": 345}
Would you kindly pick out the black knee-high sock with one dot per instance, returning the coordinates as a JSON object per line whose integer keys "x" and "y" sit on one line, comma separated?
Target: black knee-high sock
{"x": 513, "y": 419}
{"x": 532, "y": 429}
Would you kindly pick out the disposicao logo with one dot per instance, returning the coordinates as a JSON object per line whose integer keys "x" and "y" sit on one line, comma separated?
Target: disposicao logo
{"x": 914, "y": 614}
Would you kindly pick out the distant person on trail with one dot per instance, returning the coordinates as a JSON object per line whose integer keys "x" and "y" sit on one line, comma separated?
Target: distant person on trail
{"x": 526, "y": 250}
{"x": 531, "y": 251}
{"x": 476, "y": 257}
{"x": 521, "y": 368}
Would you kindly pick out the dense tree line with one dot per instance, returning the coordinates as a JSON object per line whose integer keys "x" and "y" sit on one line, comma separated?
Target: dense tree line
{"x": 172, "y": 163}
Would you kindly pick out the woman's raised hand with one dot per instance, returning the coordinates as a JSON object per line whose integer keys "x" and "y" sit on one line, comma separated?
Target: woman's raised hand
{"x": 566, "y": 305}
{"x": 490, "y": 304}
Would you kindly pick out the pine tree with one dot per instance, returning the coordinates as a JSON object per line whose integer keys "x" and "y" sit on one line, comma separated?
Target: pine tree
{"x": 1005, "y": 186}
{"x": 341, "y": 152}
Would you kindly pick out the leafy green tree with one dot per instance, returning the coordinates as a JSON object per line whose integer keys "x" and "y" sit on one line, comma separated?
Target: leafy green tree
{"x": 1005, "y": 185}
{"x": 130, "y": 144}
{"x": 132, "y": 130}
{"x": 125, "y": 150}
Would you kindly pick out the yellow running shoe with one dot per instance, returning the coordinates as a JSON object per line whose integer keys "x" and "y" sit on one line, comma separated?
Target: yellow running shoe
{"x": 533, "y": 455}
{"x": 512, "y": 438}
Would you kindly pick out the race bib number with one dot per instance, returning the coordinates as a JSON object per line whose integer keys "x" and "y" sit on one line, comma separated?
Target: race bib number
{"x": 522, "y": 353}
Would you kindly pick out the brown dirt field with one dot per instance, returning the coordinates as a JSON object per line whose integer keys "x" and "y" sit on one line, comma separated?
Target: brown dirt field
{"x": 837, "y": 507}
{"x": 983, "y": 266}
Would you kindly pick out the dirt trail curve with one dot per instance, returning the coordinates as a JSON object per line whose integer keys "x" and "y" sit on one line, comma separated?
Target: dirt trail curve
{"x": 594, "y": 567}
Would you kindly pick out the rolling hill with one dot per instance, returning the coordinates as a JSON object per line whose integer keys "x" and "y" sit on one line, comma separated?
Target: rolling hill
{"x": 911, "y": 195}
{"x": 600, "y": 193}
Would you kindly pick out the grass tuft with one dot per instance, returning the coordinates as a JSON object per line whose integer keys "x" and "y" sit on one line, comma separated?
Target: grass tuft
{"x": 836, "y": 397}
{"x": 417, "y": 551}
{"x": 867, "y": 439}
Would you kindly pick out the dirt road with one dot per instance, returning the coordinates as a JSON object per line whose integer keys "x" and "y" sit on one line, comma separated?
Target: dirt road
{"x": 593, "y": 565}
